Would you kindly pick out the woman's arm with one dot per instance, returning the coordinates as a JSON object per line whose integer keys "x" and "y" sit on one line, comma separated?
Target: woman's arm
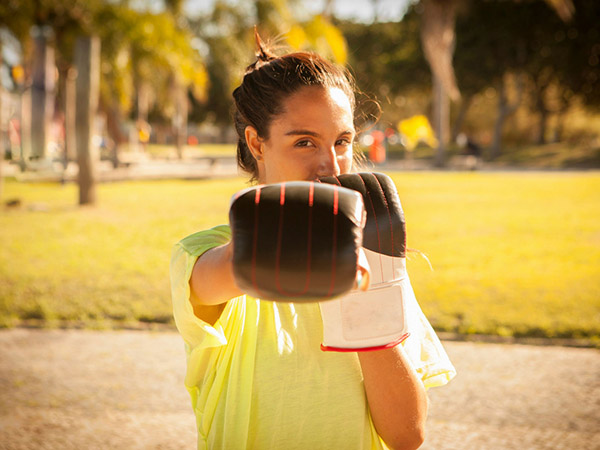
{"x": 397, "y": 398}
{"x": 212, "y": 283}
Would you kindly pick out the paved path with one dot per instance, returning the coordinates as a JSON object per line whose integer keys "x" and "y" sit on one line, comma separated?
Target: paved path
{"x": 123, "y": 390}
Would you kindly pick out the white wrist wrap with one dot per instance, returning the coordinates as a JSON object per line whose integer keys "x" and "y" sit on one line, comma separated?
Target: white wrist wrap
{"x": 369, "y": 320}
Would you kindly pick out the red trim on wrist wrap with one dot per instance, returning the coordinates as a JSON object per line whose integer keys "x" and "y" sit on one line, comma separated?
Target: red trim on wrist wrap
{"x": 401, "y": 339}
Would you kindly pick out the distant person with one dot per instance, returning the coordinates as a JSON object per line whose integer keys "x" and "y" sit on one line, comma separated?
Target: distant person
{"x": 256, "y": 373}
{"x": 471, "y": 150}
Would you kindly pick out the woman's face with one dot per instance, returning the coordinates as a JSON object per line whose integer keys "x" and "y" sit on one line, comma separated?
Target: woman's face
{"x": 312, "y": 137}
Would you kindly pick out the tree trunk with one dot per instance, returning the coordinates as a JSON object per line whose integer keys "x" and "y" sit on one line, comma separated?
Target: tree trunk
{"x": 375, "y": 4}
{"x": 87, "y": 57}
{"x": 143, "y": 101}
{"x": 42, "y": 91}
{"x": 441, "y": 120}
{"x": 542, "y": 82}
{"x": 180, "y": 117}
{"x": 460, "y": 118}
{"x": 559, "y": 128}
{"x": 505, "y": 109}
{"x": 112, "y": 113}
{"x": 143, "y": 106}
{"x": 496, "y": 148}
{"x": 561, "y": 112}
{"x": 70, "y": 115}
{"x": 438, "y": 41}
{"x": 328, "y": 9}
{"x": 543, "y": 123}
{"x": 2, "y": 148}
{"x": 224, "y": 133}
{"x": 25, "y": 128}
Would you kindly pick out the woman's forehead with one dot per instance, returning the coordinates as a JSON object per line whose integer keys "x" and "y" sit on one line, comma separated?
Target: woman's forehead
{"x": 318, "y": 105}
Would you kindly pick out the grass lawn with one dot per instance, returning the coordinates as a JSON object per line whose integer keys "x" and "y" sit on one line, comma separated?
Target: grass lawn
{"x": 222, "y": 150}
{"x": 513, "y": 253}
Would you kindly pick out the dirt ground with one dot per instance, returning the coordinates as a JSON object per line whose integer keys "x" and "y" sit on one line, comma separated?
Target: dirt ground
{"x": 124, "y": 390}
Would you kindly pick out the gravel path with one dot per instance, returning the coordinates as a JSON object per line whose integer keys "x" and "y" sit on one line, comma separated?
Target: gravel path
{"x": 123, "y": 390}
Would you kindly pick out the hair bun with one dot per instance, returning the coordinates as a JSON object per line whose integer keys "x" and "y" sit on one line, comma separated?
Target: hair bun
{"x": 263, "y": 54}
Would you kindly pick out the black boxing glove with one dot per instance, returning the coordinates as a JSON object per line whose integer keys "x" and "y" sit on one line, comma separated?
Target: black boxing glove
{"x": 385, "y": 230}
{"x": 376, "y": 318}
{"x": 296, "y": 241}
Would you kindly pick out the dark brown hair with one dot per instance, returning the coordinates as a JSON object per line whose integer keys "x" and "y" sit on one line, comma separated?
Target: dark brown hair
{"x": 269, "y": 81}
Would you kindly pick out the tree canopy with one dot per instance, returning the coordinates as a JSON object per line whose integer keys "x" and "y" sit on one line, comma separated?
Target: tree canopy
{"x": 551, "y": 46}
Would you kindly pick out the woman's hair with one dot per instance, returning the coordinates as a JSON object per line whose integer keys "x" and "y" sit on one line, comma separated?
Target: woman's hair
{"x": 269, "y": 81}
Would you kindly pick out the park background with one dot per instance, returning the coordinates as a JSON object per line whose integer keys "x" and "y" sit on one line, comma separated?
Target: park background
{"x": 116, "y": 141}
{"x": 489, "y": 126}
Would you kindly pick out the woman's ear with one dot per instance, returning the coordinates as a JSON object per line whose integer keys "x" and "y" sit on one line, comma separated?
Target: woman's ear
{"x": 254, "y": 142}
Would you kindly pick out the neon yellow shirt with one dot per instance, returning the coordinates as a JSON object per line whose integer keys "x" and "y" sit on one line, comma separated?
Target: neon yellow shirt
{"x": 258, "y": 379}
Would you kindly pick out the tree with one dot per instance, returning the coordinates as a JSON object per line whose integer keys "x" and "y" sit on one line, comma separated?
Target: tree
{"x": 321, "y": 35}
{"x": 577, "y": 61}
{"x": 561, "y": 59}
{"x": 228, "y": 34}
{"x": 139, "y": 49}
{"x": 437, "y": 36}
{"x": 532, "y": 45}
{"x": 388, "y": 63}
{"x": 147, "y": 56}
{"x": 438, "y": 41}
{"x": 87, "y": 57}
{"x": 490, "y": 47}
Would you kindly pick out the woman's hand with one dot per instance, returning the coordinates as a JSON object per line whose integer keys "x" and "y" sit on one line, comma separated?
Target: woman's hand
{"x": 363, "y": 273}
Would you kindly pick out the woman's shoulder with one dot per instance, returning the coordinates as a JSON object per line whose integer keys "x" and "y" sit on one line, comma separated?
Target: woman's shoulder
{"x": 200, "y": 240}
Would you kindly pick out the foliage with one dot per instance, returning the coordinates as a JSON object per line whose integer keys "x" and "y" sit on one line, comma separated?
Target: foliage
{"x": 496, "y": 40}
{"x": 227, "y": 32}
{"x": 489, "y": 43}
{"x": 388, "y": 64}
{"x": 512, "y": 253}
{"x": 18, "y": 16}
{"x": 147, "y": 48}
{"x": 136, "y": 45}
{"x": 497, "y": 37}
{"x": 387, "y": 57}
{"x": 579, "y": 66}
{"x": 151, "y": 48}
{"x": 321, "y": 36}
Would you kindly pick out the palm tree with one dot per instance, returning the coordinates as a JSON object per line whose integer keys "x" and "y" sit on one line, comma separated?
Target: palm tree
{"x": 150, "y": 48}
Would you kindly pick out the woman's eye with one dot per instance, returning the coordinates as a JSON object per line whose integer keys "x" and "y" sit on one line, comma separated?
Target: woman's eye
{"x": 304, "y": 143}
{"x": 344, "y": 142}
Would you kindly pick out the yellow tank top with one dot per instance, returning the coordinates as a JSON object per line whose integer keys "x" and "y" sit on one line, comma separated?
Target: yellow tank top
{"x": 258, "y": 379}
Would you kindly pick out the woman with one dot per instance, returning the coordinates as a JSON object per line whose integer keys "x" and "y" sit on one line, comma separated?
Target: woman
{"x": 256, "y": 375}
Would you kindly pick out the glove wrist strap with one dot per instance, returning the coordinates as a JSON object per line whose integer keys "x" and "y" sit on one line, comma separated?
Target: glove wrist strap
{"x": 398, "y": 341}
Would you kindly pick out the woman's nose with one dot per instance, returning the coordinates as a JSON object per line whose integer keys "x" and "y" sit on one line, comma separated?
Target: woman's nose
{"x": 328, "y": 163}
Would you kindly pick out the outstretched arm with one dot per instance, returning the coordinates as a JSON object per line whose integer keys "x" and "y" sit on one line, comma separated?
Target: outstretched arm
{"x": 212, "y": 283}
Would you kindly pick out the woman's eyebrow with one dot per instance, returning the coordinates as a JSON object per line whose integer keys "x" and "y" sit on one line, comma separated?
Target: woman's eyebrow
{"x": 312, "y": 133}
{"x": 302, "y": 132}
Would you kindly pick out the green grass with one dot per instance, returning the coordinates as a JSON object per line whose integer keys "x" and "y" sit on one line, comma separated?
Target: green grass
{"x": 513, "y": 254}
{"x": 166, "y": 151}
{"x": 552, "y": 156}
{"x": 103, "y": 264}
